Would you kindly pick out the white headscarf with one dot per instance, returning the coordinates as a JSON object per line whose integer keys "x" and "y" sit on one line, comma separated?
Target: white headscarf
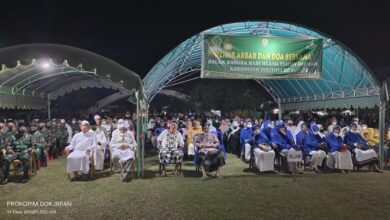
{"x": 235, "y": 123}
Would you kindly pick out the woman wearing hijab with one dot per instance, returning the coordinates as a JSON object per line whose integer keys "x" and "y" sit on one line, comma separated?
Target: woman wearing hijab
{"x": 310, "y": 145}
{"x": 284, "y": 141}
{"x": 246, "y": 140}
{"x": 339, "y": 156}
{"x": 233, "y": 138}
{"x": 186, "y": 133}
{"x": 169, "y": 142}
{"x": 263, "y": 150}
{"x": 359, "y": 147}
{"x": 197, "y": 129}
{"x": 297, "y": 130}
{"x": 223, "y": 127}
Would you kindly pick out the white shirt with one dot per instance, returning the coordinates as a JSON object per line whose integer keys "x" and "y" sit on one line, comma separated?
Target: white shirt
{"x": 81, "y": 141}
{"x": 70, "y": 132}
{"x": 128, "y": 138}
{"x": 163, "y": 138}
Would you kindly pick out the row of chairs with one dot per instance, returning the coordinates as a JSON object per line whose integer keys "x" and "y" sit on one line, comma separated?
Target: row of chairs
{"x": 305, "y": 161}
{"x": 111, "y": 164}
{"x": 219, "y": 135}
{"x": 34, "y": 165}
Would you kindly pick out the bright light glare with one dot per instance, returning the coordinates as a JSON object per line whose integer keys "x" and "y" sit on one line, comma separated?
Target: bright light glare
{"x": 46, "y": 65}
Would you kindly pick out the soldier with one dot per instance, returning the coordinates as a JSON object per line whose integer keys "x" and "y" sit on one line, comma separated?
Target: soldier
{"x": 54, "y": 139}
{"x": 24, "y": 137}
{"x": 13, "y": 152}
{"x": 3, "y": 130}
{"x": 63, "y": 136}
{"x": 38, "y": 143}
{"x": 46, "y": 131}
{"x": 12, "y": 127}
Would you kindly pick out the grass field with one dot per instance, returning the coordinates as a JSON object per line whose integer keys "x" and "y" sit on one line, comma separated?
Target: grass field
{"x": 242, "y": 194}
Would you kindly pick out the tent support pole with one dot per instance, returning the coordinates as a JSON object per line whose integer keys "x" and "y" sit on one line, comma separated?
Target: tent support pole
{"x": 382, "y": 111}
{"x": 139, "y": 159}
{"x": 280, "y": 109}
{"x": 48, "y": 108}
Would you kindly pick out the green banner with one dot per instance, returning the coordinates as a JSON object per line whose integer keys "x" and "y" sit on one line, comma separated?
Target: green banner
{"x": 257, "y": 57}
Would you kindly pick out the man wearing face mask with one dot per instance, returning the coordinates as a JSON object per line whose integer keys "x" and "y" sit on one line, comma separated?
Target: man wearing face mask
{"x": 63, "y": 136}
{"x": 54, "y": 139}
{"x": 157, "y": 132}
{"x": 99, "y": 126}
{"x": 75, "y": 126}
{"x": 99, "y": 144}
{"x": 123, "y": 150}
{"x": 291, "y": 127}
{"x": 46, "y": 132}
{"x": 81, "y": 145}
{"x": 108, "y": 127}
{"x": 38, "y": 143}
{"x": 246, "y": 141}
{"x": 70, "y": 132}
{"x": 151, "y": 125}
{"x": 12, "y": 150}
{"x": 333, "y": 123}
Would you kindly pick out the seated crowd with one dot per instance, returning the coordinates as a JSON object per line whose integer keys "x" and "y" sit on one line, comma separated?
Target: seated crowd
{"x": 203, "y": 140}
{"x": 265, "y": 142}
{"x": 97, "y": 140}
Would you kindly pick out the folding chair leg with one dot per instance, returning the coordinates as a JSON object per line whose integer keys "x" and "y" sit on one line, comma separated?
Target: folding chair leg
{"x": 92, "y": 173}
{"x": 31, "y": 167}
{"x": 111, "y": 165}
{"x": 133, "y": 169}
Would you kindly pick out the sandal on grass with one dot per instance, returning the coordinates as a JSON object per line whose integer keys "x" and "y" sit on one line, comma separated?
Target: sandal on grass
{"x": 204, "y": 178}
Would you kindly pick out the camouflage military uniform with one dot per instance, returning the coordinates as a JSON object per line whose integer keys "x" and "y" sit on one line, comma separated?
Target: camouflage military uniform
{"x": 75, "y": 128}
{"x": 63, "y": 138}
{"x": 20, "y": 152}
{"x": 39, "y": 144}
{"x": 54, "y": 138}
{"x": 46, "y": 132}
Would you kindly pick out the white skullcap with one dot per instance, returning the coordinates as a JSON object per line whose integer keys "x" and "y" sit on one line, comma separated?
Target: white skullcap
{"x": 96, "y": 117}
{"x": 62, "y": 120}
{"x": 121, "y": 121}
{"x": 123, "y": 125}
{"x": 85, "y": 123}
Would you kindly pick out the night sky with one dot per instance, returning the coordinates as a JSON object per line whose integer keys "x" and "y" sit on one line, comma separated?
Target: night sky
{"x": 137, "y": 34}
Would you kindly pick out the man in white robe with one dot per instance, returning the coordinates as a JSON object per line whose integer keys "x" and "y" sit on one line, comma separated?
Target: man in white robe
{"x": 81, "y": 144}
{"x": 99, "y": 143}
{"x": 123, "y": 150}
{"x": 116, "y": 130}
{"x": 70, "y": 132}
